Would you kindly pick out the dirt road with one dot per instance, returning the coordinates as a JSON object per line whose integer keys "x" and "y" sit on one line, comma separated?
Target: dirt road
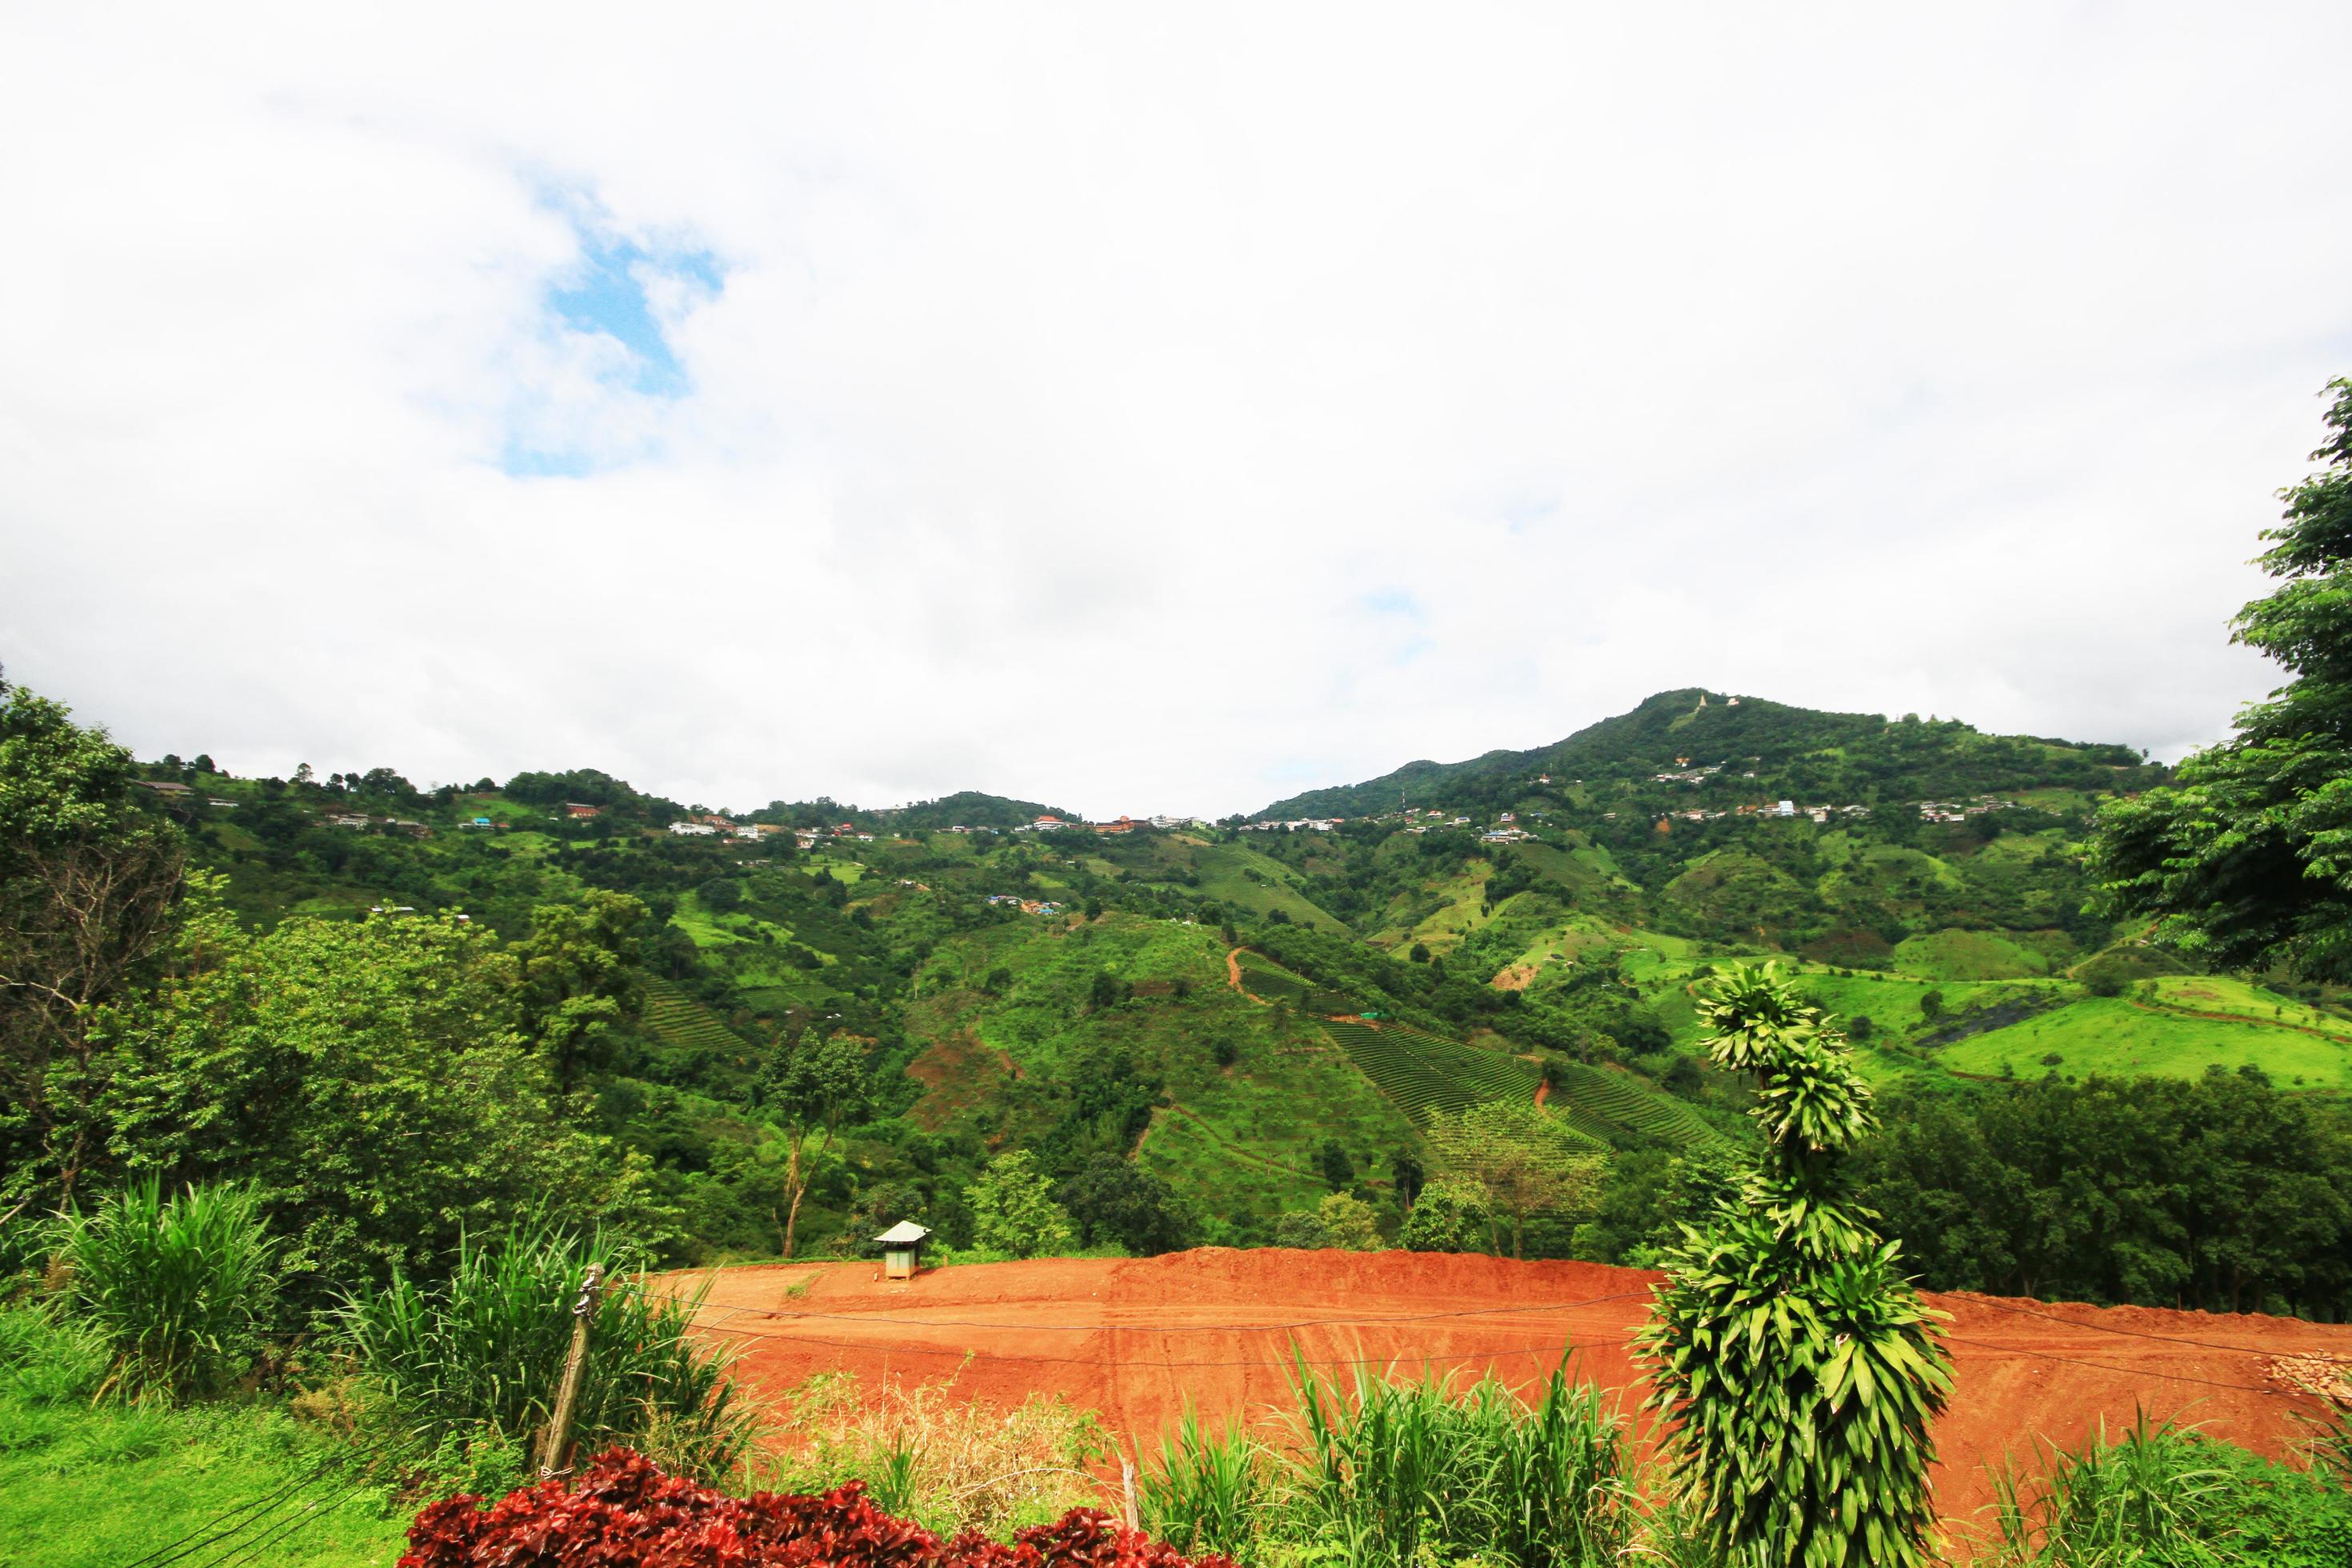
{"x": 1138, "y": 1339}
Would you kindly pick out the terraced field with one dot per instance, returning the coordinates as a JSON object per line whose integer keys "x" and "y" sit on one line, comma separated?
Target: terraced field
{"x": 1423, "y": 1074}
{"x": 1262, "y": 977}
{"x": 679, "y": 1019}
{"x": 1617, "y": 1098}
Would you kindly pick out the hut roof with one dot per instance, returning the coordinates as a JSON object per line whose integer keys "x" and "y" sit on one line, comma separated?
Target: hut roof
{"x": 905, "y": 1233}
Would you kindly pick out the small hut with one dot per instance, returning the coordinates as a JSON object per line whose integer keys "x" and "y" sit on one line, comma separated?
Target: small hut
{"x": 902, "y": 1249}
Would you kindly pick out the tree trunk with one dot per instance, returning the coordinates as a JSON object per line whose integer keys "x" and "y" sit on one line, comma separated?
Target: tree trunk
{"x": 794, "y": 1187}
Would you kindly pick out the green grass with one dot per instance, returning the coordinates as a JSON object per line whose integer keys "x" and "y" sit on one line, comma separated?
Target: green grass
{"x": 1968, "y": 955}
{"x": 1424, "y": 1074}
{"x": 97, "y": 1486}
{"x": 2113, "y": 1035}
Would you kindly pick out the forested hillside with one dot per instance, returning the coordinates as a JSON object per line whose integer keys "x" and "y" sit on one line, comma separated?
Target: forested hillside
{"x": 805, "y": 1022}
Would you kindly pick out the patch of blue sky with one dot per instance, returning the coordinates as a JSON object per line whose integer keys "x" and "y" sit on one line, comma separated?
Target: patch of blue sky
{"x": 629, "y": 292}
{"x": 610, "y": 291}
{"x": 1393, "y": 602}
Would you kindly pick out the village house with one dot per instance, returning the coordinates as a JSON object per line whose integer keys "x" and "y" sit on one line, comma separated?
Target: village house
{"x": 167, "y": 788}
{"x": 1124, "y": 824}
{"x": 579, "y": 810}
{"x": 691, "y": 829}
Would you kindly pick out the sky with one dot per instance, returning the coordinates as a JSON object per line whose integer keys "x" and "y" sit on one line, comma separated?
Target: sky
{"x": 1144, "y": 409}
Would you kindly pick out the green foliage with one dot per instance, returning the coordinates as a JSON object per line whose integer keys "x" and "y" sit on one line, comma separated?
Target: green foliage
{"x": 465, "y": 1367}
{"x": 373, "y": 1082}
{"x": 1207, "y": 1492}
{"x": 1448, "y": 1216}
{"x": 2221, "y": 1193}
{"x": 2247, "y": 859}
{"x": 1013, "y": 1210}
{"x": 1525, "y": 1162}
{"x": 1793, "y": 1358}
{"x": 1410, "y": 1472}
{"x": 87, "y": 886}
{"x": 1348, "y": 1223}
{"x": 182, "y": 1287}
{"x": 1118, "y": 1201}
{"x": 2163, "y": 1496}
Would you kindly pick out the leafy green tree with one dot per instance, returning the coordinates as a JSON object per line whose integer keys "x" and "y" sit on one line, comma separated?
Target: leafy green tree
{"x": 1331, "y": 1159}
{"x": 1348, "y": 1223}
{"x": 1796, "y": 1363}
{"x": 810, "y": 1089}
{"x": 1931, "y": 1005}
{"x": 1448, "y": 1216}
{"x": 1302, "y": 1230}
{"x": 88, "y": 885}
{"x": 1012, "y": 1209}
{"x": 720, "y": 894}
{"x": 1524, "y": 1160}
{"x": 2246, "y": 860}
{"x": 1405, "y": 1170}
{"x": 576, "y": 976}
{"x": 373, "y": 1082}
{"x": 1112, "y": 1199}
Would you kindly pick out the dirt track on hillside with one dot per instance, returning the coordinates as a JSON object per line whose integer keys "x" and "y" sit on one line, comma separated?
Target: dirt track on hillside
{"x": 1135, "y": 1339}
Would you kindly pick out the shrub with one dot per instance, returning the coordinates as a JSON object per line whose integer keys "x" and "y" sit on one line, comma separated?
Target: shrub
{"x": 1013, "y": 1210}
{"x": 625, "y": 1510}
{"x": 471, "y": 1363}
{"x": 1302, "y": 1229}
{"x": 180, "y": 1287}
{"x": 1348, "y": 1223}
{"x": 1447, "y": 1217}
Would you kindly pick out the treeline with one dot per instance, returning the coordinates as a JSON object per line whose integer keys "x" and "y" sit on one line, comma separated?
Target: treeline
{"x": 2221, "y": 1195}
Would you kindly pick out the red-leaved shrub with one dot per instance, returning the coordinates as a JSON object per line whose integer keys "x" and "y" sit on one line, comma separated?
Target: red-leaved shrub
{"x": 624, "y": 1512}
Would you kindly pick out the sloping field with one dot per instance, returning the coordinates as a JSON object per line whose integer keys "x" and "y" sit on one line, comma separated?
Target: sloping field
{"x": 1137, "y": 1339}
{"x": 1618, "y": 1098}
{"x": 1424, "y": 1074}
{"x": 680, "y": 1020}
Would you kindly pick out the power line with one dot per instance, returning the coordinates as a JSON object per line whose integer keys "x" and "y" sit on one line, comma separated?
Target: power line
{"x": 2118, "y": 1371}
{"x": 1114, "y": 1363}
{"x": 1183, "y": 1328}
{"x": 2112, "y": 1329}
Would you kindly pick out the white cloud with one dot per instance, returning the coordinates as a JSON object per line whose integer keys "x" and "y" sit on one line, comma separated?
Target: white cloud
{"x": 1084, "y": 388}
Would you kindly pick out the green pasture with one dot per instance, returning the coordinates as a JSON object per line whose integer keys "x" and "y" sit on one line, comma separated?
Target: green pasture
{"x": 1968, "y": 955}
{"x": 2115, "y": 1034}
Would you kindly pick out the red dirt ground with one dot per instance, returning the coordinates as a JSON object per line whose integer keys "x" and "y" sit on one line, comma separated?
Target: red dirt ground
{"x": 1134, "y": 1338}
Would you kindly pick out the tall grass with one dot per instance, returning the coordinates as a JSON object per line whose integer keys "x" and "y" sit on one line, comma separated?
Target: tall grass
{"x": 927, "y": 1453}
{"x": 182, "y": 1287}
{"x": 1393, "y": 1470}
{"x": 2162, "y": 1494}
{"x": 1207, "y": 1492}
{"x": 472, "y": 1361}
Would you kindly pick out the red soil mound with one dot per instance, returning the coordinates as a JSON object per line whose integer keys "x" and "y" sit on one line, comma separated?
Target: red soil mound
{"x": 1135, "y": 1339}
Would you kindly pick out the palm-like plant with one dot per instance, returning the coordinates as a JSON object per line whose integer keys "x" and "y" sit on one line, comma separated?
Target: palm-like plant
{"x": 1796, "y": 1363}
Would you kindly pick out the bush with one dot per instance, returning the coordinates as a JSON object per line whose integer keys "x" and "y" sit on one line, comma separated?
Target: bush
{"x": 625, "y": 1510}
{"x": 1302, "y": 1229}
{"x": 1348, "y": 1223}
{"x": 466, "y": 1369}
{"x": 182, "y": 1289}
{"x": 1448, "y": 1216}
{"x": 1013, "y": 1210}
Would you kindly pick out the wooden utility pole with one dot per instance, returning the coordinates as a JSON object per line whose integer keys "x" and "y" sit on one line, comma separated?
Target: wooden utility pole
{"x": 576, "y": 1368}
